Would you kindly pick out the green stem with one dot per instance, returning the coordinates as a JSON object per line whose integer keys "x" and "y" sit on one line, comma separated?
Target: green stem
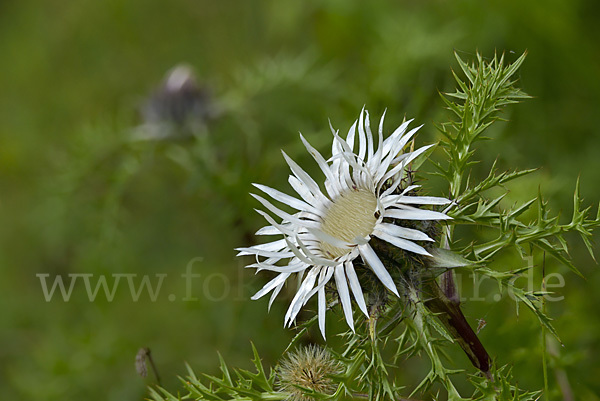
{"x": 544, "y": 346}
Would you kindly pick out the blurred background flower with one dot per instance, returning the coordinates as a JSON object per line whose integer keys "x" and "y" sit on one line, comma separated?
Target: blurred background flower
{"x": 179, "y": 107}
{"x": 77, "y": 196}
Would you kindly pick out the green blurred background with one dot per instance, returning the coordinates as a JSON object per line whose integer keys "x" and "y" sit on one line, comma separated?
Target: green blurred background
{"x": 78, "y": 195}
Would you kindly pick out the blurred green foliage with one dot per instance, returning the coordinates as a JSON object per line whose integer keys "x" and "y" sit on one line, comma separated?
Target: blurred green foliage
{"x": 79, "y": 196}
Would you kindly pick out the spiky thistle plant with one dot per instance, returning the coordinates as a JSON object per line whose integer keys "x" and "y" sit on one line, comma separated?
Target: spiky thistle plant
{"x": 370, "y": 227}
{"x": 308, "y": 369}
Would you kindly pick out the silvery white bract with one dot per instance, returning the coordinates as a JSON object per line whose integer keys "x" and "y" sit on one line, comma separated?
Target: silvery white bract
{"x": 332, "y": 228}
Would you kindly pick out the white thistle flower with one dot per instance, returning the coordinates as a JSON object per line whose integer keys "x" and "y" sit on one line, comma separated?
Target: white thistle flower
{"x": 333, "y": 228}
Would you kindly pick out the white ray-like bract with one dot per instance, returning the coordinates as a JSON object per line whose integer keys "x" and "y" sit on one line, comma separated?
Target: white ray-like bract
{"x": 332, "y": 228}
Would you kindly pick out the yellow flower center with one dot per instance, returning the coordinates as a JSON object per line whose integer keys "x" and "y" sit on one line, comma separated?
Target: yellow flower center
{"x": 351, "y": 215}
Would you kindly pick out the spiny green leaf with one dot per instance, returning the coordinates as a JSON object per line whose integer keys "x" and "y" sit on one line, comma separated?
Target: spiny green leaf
{"x": 224, "y": 370}
{"x": 164, "y": 395}
{"x": 557, "y": 254}
{"x": 465, "y": 68}
{"x": 445, "y": 258}
{"x": 530, "y": 300}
